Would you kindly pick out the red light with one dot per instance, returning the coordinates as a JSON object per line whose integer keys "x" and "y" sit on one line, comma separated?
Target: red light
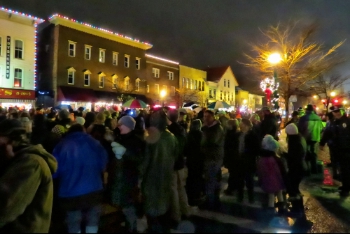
{"x": 336, "y": 100}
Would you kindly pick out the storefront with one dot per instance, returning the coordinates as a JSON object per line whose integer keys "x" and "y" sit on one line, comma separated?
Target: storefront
{"x": 17, "y": 98}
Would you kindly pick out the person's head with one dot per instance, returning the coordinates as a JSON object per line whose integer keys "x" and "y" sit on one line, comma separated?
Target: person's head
{"x": 196, "y": 125}
{"x": 182, "y": 116}
{"x": 337, "y": 111}
{"x": 269, "y": 143}
{"x": 12, "y": 135}
{"x": 292, "y": 129}
{"x": 266, "y": 110}
{"x": 98, "y": 131}
{"x": 107, "y": 114}
{"x": 100, "y": 118}
{"x": 80, "y": 120}
{"x": 295, "y": 115}
{"x": 14, "y": 115}
{"x": 309, "y": 108}
{"x": 173, "y": 115}
{"x": 245, "y": 125}
{"x": 255, "y": 118}
{"x": 25, "y": 114}
{"x": 126, "y": 124}
{"x": 208, "y": 117}
{"x": 63, "y": 114}
{"x": 159, "y": 120}
{"x": 232, "y": 124}
{"x": 76, "y": 128}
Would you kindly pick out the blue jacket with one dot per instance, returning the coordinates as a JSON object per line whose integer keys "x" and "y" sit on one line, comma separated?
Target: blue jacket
{"x": 81, "y": 162}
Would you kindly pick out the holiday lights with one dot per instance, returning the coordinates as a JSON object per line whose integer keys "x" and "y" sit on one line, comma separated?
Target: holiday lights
{"x": 22, "y": 14}
{"x": 101, "y": 29}
{"x": 269, "y": 86}
{"x": 162, "y": 59}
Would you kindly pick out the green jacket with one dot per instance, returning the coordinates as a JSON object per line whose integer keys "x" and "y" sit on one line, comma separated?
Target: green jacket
{"x": 26, "y": 191}
{"x": 310, "y": 126}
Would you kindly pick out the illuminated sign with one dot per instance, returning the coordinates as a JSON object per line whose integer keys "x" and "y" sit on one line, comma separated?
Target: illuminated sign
{"x": 17, "y": 94}
{"x": 8, "y": 56}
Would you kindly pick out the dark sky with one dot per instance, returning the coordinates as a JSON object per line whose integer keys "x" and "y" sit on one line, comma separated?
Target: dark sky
{"x": 200, "y": 33}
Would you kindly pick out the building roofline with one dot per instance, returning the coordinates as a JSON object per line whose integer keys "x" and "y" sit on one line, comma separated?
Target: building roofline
{"x": 24, "y": 15}
{"x": 162, "y": 59}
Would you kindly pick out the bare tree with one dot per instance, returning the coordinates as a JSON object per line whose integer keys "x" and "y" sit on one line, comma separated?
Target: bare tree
{"x": 323, "y": 86}
{"x": 302, "y": 58}
{"x": 195, "y": 95}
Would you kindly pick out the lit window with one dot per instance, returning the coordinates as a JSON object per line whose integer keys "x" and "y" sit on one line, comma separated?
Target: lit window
{"x": 199, "y": 85}
{"x": 155, "y": 72}
{"x": 147, "y": 87}
{"x": 138, "y": 63}
{"x": 18, "y": 77}
{"x": 115, "y": 81}
{"x": 87, "y": 75}
{"x": 156, "y": 88}
{"x": 195, "y": 84}
{"x": 126, "y": 60}
{"x": 172, "y": 91}
{"x": 224, "y": 82}
{"x": 126, "y": 83}
{"x": 183, "y": 82}
{"x": 115, "y": 58}
{"x": 187, "y": 83}
{"x": 102, "y": 55}
{"x": 171, "y": 75}
{"x": 71, "y": 48}
{"x": 137, "y": 84}
{"x": 228, "y": 83}
{"x": 71, "y": 74}
{"x": 220, "y": 95}
{"x": 101, "y": 80}
{"x": 19, "y": 49}
{"x": 87, "y": 52}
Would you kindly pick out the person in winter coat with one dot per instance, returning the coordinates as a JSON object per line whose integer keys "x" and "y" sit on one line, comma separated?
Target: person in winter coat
{"x": 26, "y": 123}
{"x": 271, "y": 173}
{"x": 269, "y": 124}
{"x": 212, "y": 148}
{"x": 231, "y": 158}
{"x": 125, "y": 191}
{"x": 194, "y": 162}
{"x": 157, "y": 172}
{"x": 26, "y": 186}
{"x": 310, "y": 126}
{"x": 82, "y": 161}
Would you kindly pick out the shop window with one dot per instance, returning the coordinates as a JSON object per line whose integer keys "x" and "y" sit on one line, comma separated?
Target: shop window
{"x": 137, "y": 84}
{"x": 18, "y": 49}
{"x": 87, "y": 75}
{"x": 71, "y": 48}
{"x": 115, "y": 81}
{"x": 155, "y": 72}
{"x": 87, "y": 52}
{"x": 126, "y": 83}
{"x": 102, "y": 55}
{"x": 138, "y": 63}
{"x": 171, "y": 75}
{"x": 71, "y": 74}
{"x": 115, "y": 58}
{"x": 18, "y": 77}
{"x": 126, "y": 60}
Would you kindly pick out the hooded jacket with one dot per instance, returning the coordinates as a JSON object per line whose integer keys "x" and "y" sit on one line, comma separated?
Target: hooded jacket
{"x": 26, "y": 191}
{"x": 212, "y": 145}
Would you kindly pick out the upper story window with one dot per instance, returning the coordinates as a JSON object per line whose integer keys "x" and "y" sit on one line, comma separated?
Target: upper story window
{"x": 210, "y": 93}
{"x": 156, "y": 88}
{"x": 115, "y": 58}
{"x": 138, "y": 63}
{"x": 71, "y": 75}
{"x": 199, "y": 85}
{"x": 224, "y": 82}
{"x": 137, "y": 84}
{"x": 183, "y": 82}
{"x": 101, "y": 80}
{"x": 71, "y": 48}
{"x": 87, "y": 75}
{"x": 214, "y": 93}
{"x": 172, "y": 90}
{"x": 102, "y": 55}
{"x": 126, "y": 60}
{"x": 171, "y": 75}
{"x": 87, "y": 55}
{"x": 18, "y": 78}
{"x": 155, "y": 72}
{"x": 195, "y": 85}
{"x": 115, "y": 81}
{"x": 126, "y": 83}
{"x": 18, "y": 49}
{"x": 220, "y": 95}
{"x": 187, "y": 83}
{"x": 202, "y": 88}
{"x": 228, "y": 83}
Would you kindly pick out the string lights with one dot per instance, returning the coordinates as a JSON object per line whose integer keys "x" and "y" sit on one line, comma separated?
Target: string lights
{"x": 101, "y": 29}
{"x": 162, "y": 59}
{"x": 38, "y": 20}
{"x": 269, "y": 86}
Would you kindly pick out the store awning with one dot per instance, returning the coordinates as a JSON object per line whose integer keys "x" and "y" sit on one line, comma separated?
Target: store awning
{"x": 65, "y": 93}
{"x": 107, "y": 96}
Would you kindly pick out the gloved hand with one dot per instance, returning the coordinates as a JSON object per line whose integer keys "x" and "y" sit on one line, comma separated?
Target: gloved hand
{"x": 118, "y": 150}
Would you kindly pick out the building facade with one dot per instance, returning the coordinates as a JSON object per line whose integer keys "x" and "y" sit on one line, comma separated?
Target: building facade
{"x": 162, "y": 81}
{"x": 192, "y": 86}
{"x": 86, "y": 66}
{"x": 17, "y": 59}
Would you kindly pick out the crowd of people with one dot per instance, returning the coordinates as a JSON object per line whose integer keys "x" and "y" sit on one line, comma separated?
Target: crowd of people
{"x": 157, "y": 164}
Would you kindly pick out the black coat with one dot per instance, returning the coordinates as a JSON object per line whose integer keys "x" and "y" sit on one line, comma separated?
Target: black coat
{"x": 231, "y": 154}
{"x": 194, "y": 157}
{"x": 296, "y": 153}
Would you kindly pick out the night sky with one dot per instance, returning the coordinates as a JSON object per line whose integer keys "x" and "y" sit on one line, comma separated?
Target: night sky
{"x": 200, "y": 33}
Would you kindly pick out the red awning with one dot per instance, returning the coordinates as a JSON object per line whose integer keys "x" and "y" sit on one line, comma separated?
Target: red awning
{"x": 73, "y": 94}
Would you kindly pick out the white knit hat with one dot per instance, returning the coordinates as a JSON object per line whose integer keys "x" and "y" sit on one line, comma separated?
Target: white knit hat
{"x": 269, "y": 143}
{"x": 80, "y": 120}
{"x": 292, "y": 129}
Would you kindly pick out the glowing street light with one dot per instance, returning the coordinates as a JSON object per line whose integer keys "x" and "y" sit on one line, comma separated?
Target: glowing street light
{"x": 274, "y": 58}
{"x": 332, "y": 94}
{"x": 245, "y": 101}
{"x": 162, "y": 94}
{"x": 315, "y": 96}
{"x": 345, "y": 102}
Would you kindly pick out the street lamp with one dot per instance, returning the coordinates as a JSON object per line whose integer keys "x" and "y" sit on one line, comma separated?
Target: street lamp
{"x": 275, "y": 58}
{"x": 332, "y": 94}
{"x": 162, "y": 95}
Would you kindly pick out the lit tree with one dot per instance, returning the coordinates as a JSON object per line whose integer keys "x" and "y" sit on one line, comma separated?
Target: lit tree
{"x": 302, "y": 59}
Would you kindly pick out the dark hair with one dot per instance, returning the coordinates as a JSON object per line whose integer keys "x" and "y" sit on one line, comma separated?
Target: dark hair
{"x": 76, "y": 128}
{"x": 98, "y": 131}
{"x": 173, "y": 115}
{"x": 196, "y": 125}
{"x": 247, "y": 122}
{"x": 15, "y": 115}
{"x": 159, "y": 119}
{"x": 209, "y": 112}
{"x": 89, "y": 119}
{"x": 295, "y": 113}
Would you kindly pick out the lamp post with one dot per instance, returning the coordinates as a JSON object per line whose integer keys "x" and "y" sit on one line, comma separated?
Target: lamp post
{"x": 275, "y": 58}
{"x": 162, "y": 95}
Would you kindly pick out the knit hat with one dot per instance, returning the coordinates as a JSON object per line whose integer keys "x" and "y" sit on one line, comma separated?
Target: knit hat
{"x": 9, "y": 126}
{"x": 269, "y": 143}
{"x": 80, "y": 120}
{"x": 63, "y": 114}
{"x": 127, "y": 121}
{"x": 292, "y": 129}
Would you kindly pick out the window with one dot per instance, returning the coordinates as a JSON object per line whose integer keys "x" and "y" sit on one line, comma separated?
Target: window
{"x": 115, "y": 81}
{"x": 220, "y": 95}
{"x": 115, "y": 59}
{"x": 147, "y": 87}
{"x": 0, "y": 46}
{"x": 18, "y": 77}
{"x": 126, "y": 60}
{"x": 224, "y": 82}
{"x": 214, "y": 93}
{"x": 155, "y": 72}
{"x": 102, "y": 55}
{"x": 138, "y": 63}
{"x": 199, "y": 85}
{"x": 87, "y": 75}
{"x": 137, "y": 84}
{"x": 187, "y": 82}
{"x": 156, "y": 88}
{"x": 224, "y": 96}
{"x": 172, "y": 89}
{"x": 71, "y": 48}
{"x": 203, "y": 88}
{"x": 18, "y": 49}
{"x": 126, "y": 83}
{"x": 183, "y": 82}
{"x": 101, "y": 80}
{"x": 171, "y": 75}
{"x": 228, "y": 83}
{"x": 87, "y": 52}
{"x": 210, "y": 93}
{"x": 71, "y": 74}
{"x": 195, "y": 84}
{"x": 191, "y": 81}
